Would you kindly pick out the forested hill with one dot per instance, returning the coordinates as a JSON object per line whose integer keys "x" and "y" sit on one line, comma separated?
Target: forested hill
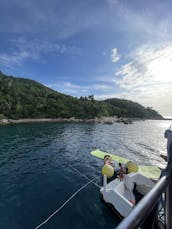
{"x": 24, "y": 98}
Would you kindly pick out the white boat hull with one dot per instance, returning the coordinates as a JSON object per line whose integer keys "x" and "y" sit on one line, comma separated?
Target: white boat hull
{"x": 120, "y": 193}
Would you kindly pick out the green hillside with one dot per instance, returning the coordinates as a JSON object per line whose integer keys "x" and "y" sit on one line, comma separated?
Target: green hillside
{"x": 24, "y": 98}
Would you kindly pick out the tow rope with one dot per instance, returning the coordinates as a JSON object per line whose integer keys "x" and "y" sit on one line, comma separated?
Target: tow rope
{"x": 63, "y": 205}
{"x": 70, "y": 198}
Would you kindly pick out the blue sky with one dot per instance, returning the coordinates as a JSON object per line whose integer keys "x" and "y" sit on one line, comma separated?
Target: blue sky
{"x": 109, "y": 48}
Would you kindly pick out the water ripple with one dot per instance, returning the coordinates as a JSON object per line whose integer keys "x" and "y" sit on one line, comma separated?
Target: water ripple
{"x": 36, "y": 176}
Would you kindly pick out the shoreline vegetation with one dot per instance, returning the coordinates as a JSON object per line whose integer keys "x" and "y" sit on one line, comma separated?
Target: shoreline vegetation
{"x": 24, "y": 101}
{"x": 102, "y": 120}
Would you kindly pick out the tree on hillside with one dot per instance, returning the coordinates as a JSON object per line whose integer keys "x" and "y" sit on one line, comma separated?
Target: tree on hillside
{"x": 24, "y": 98}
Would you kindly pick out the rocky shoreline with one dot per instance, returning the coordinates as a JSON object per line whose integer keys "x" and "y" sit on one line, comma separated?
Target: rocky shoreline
{"x": 103, "y": 120}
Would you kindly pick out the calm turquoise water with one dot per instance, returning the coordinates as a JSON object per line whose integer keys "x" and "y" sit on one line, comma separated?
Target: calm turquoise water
{"x": 36, "y": 177}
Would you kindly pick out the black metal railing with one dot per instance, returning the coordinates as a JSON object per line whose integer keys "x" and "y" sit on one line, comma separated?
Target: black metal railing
{"x": 146, "y": 205}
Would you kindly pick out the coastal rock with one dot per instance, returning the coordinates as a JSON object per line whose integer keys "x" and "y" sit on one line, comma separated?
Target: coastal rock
{"x": 5, "y": 121}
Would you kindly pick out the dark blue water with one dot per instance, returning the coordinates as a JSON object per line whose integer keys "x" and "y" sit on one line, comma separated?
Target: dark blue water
{"x": 36, "y": 177}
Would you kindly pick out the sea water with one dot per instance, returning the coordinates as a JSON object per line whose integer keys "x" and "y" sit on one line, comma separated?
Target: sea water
{"x": 36, "y": 176}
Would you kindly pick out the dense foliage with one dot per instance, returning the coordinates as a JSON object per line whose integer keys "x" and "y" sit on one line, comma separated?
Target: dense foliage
{"x": 24, "y": 98}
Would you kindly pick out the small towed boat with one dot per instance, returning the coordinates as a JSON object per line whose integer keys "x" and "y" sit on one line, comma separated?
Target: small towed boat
{"x": 124, "y": 195}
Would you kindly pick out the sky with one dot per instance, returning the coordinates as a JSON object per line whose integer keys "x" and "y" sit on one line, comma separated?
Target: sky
{"x": 108, "y": 48}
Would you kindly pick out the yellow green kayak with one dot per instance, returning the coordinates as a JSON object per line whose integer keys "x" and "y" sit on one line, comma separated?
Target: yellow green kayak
{"x": 149, "y": 171}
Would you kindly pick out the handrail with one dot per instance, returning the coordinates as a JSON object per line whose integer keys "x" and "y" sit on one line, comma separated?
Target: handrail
{"x": 145, "y": 206}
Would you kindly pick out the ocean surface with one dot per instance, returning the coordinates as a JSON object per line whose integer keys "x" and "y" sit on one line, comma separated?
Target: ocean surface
{"x": 36, "y": 176}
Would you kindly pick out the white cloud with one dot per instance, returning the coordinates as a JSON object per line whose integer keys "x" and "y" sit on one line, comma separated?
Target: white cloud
{"x": 43, "y": 46}
{"x": 114, "y": 55}
{"x": 80, "y": 90}
{"x": 16, "y": 58}
{"x": 148, "y": 77}
{"x": 131, "y": 77}
{"x": 149, "y": 65}
{"x": 25, "y": 49}
{"x": 69, "y": 88}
